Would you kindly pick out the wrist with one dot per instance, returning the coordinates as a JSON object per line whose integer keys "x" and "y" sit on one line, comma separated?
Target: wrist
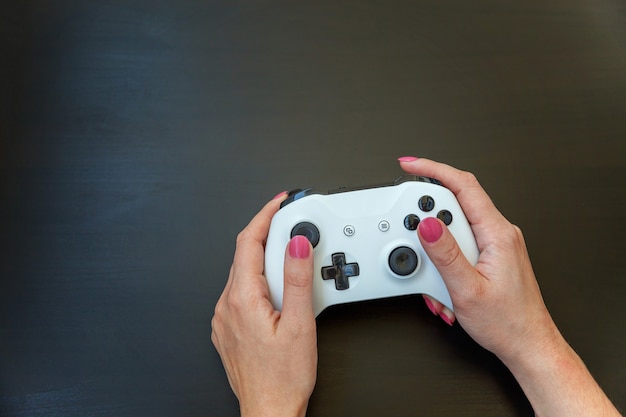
{"x": 279, "y": 408}
{"x": 557, "y": 382}
{"x": 536, "y": 339}
{"x": 536, "y": 357}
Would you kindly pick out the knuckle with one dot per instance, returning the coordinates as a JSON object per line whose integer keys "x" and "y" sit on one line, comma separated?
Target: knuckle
{"x": 215, "y": 341}
{"x": 235, "y": 301}
{"x": 519, "y": 235}
{"x": 214, "y": 329}
{"x": 514, "y": 238}
{"x": 298, "y": 279}
{"x": 296, "y": 285}
{"x": 218, "y": 314}
{"x": 469, "y": 178}
{"x": 447, "y": 256}
{"x": 217, "y": 328}
{"x": 242, "y": 237}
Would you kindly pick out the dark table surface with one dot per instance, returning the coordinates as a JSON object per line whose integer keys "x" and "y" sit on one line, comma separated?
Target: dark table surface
{"x": 138, "y": 137}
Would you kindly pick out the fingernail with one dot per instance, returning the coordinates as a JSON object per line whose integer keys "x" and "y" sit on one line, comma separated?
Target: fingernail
{"x": 430, "y": 229}
{"x": 299, "y": 247}
{"x": 430, "y": 305}
{"x": 445, "y": 318}
{"x": 279, "y": 195}
{"x": 407, "y": 158}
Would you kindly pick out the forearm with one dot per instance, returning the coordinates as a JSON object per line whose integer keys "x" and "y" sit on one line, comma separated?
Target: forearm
{"x": 557, "y": 383}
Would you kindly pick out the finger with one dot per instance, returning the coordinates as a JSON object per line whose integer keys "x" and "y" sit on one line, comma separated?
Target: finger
{"x": 460, "y": 277}
{"x": 298, "y": 286}
{"x": 249, "y": 258}
{"x": 454, "y": 179}
{"x": 447, "y": 316}
{"x": 433, "y": 305}
{"x": 249, "y": 255}
{"x": 439, "y": 309}
{"x": 480, "y": 211}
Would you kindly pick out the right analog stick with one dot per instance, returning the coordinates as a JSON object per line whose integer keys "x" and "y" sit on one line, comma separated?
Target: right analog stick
{"x": 403, "y": 261}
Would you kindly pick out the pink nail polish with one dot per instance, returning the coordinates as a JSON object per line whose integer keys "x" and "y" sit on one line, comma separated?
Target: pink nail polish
{"x": 430, "y": 229}
{"x": 447, "y": 319}
{"x": 407, "y": 159}
{"x": 299, "y": 247}
{"x": 430, "y": 305}
{"x": 279, "y": 195}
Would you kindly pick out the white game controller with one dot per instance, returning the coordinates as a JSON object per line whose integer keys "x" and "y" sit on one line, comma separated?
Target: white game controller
{"x": 365, "y": 241}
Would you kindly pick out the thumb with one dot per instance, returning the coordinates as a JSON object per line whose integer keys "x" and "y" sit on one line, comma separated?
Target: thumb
{"x": 298, "y": 291}
{"x": 457, "y": 272}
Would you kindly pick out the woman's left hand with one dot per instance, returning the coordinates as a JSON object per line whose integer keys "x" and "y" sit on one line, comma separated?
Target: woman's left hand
{"x": 270, "y": 357}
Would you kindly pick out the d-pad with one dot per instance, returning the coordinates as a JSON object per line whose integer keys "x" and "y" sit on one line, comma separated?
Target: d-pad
{"x": 340, "y": 271}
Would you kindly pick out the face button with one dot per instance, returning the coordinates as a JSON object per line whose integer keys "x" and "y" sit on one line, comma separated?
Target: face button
{"x": 426, "y": 203}
{"x": 445, "y": 216}
{"x": 308, "y": 230}
{"x": 403, "y": 261}
{"x": 340, "y": 271}
{"x": 411, "y": 221}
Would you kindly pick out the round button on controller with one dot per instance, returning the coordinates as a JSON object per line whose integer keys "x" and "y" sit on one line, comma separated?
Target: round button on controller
{"x": 403, "y": 261}
{"x": 445, "y": 216}
{"x": 411, "y": 221}
{"x": 308, "y": 230}
{"x": 349, "y": 230}
{"x": 426, "y": 203}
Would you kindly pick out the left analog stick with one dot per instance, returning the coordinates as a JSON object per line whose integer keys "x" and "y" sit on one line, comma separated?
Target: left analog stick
{"x": 308, "y": 230}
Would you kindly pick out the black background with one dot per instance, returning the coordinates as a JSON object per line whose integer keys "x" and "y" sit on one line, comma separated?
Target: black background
{"x": 138, "y": 137}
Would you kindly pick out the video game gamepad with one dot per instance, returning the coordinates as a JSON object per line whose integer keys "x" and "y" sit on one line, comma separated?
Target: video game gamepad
{"x": 365, "y": 240}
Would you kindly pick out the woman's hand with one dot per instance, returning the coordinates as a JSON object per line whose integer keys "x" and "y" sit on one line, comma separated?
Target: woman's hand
{"x": 499, "y": 304}
{"x": 497, "y": 301}
{"x": 270, "y": 357}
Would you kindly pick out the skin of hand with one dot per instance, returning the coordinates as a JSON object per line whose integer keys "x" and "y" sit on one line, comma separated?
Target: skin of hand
{"x": 498, "y": 301}
{"x": 270, "y": 357}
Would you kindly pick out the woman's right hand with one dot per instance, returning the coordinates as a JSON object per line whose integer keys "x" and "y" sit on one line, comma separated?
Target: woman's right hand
{"x": 498, "y": 302}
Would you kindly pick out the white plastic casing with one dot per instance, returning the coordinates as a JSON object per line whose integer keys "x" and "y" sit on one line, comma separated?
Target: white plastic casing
{"x": 370, "y": 245}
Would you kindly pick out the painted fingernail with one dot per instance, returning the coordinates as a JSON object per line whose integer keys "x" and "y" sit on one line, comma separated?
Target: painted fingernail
{"x": 449, "y": 321}
{"x": 299, "y": 247}
{"x": 279, "y": 195}
{"x": 407, "y": 158}
{"x": 430, "y": 305}
{"x": 430, "y": 229}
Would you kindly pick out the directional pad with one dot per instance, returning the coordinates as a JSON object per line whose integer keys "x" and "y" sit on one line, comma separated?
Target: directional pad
{"x": 340, "y": 271}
